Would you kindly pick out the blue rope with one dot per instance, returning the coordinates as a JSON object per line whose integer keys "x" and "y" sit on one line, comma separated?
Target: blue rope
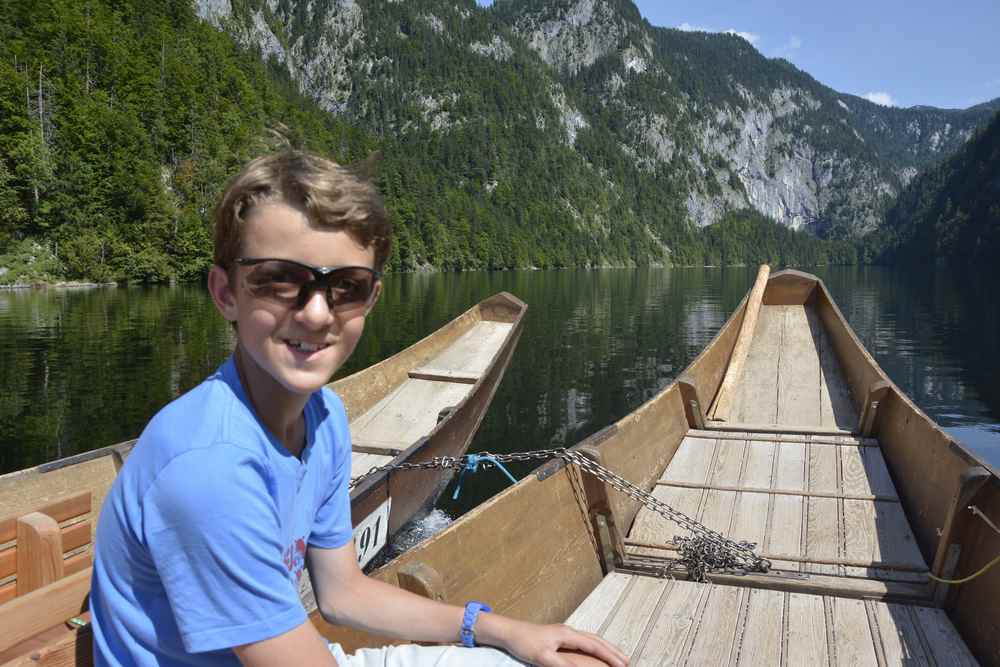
{"x": 472, "y": 462}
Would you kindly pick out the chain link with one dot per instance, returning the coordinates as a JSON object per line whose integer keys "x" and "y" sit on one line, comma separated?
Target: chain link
{"x": 705, "y": 551}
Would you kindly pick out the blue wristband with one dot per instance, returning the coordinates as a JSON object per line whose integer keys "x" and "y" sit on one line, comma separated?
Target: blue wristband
{"x": 472, "y": 609}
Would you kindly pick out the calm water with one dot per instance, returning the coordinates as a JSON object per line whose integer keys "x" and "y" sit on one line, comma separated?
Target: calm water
{"x": 84, "y": 369}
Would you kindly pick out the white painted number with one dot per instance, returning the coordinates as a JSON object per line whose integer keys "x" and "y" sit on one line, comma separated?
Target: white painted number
{"x": 371, "y": 533}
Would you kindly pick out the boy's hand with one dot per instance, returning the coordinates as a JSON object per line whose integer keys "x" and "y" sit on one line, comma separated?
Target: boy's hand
{"x": 551, "y": 645}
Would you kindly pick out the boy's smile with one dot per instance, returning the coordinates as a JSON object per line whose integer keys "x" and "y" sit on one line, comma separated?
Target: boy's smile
{"x": 284, "y": 349}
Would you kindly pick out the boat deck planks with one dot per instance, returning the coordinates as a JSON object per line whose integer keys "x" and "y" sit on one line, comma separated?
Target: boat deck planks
{"x": 362, "y": 462}
{"x": 822, "y": 508}
{"x": 791, "y": 376}
{"x": 673, "y": 622}
{"x": 411, "y": 410}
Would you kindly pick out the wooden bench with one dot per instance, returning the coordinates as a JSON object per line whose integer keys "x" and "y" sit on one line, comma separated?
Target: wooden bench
{"x": 41, "y": 547}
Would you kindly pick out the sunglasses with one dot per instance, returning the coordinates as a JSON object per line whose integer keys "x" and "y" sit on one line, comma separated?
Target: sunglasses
{"x": 291, "y": 283}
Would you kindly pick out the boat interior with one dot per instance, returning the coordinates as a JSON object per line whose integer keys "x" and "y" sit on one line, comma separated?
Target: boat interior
{"x": 783, "y": 432}
{"x": 412, "y": 409}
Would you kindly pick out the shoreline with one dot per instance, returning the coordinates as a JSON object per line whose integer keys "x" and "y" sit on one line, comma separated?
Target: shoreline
{"x": 70, "y": 284}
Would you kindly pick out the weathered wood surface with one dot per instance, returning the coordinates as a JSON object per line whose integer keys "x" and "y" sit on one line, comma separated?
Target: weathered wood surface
{"x": 724, "y": 399}
{"x": 791, "y": 377}
{"x": 672, "y": 622}
{"x": 27, "y": 615}
{"x": 817, "y": 508}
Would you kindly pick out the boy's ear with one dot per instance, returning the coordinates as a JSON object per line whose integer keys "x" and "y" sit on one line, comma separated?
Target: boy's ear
{"x": 222, "y": 292}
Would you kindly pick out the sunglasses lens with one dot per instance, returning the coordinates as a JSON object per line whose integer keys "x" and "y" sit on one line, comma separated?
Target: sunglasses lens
{"x": 350, "y": 286}
{"x": 277, "y": 280}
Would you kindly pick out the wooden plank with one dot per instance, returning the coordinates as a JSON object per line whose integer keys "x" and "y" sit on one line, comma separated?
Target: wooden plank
{"x": 757, "y": 398}
{"x": 823, "y": 533}
{"x": 8, "y": 561}
{"x": 713, "y": 643}
{"x": 759, "y": 466}
{"x": 750, "y": 517}
{"x": 669, "y": 634}
{"x": 784, "y": 534}
{"x": 807, "y": 636}
{"x": 717, "y": 512}
{"x": 853, "y": 642}
{"x": 443, "y": 375}
{"x": 836, "y": 408}
{"x": 860, "y": 538}
{"x": 758, "y": 427}
{"x": 823, "y": 473}
{"x": 410, "y": 412}
{"x": 27, "y": 615}
{"x": 77, "y": 562}
{"x": 790, "y": 472}
{"x": 362, "y": 463}
{"x": 474, "y": 350}
{"x": 877, "y": 473}
{"x": 39, "y": 552}
{"x": 852, "y": 472}
{"x": 898, "y": 634}
{"x": 628, "y": 625}
{"x": 59, "y": 646}
{"x": 379, "y": 447}
{"x": 841, "y": 438}
{"x": 691, "y": 461}
{"x": 76, "y": 536}
{"x": 943, "y": 641}
{"x": 896, "y": 542}
{"x": 734, "y": 371}
{"x": 599, "y": 606}
{"x": 728, "y": 463}
{"x": 761, "y": 641}
{"x": 61, "y": 510}
{"x": 8, "y": 592}
{"x": 798, "y": 372}
{"x": 778, "y": 492}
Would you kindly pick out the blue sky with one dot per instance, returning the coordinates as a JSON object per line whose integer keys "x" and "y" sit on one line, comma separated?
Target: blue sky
{"x": 897, "y": 52}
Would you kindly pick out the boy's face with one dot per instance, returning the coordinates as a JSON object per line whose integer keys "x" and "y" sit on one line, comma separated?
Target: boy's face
{"x": 287, "y": 348}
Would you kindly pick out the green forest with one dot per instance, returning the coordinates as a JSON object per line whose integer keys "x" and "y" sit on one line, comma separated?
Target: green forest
{"x": 120, "y": 121}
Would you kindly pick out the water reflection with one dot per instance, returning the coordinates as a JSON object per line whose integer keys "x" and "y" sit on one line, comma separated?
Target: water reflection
{"x": 80, "y": 370}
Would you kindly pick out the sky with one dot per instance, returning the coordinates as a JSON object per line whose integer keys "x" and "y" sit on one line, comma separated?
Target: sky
{"x": 894, "y": 52}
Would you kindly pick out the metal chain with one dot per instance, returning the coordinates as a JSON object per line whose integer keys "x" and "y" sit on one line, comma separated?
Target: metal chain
{"x": 706, "y": 551}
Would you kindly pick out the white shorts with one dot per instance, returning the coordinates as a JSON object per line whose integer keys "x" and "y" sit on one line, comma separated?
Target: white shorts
{"x": 411, "y": 655}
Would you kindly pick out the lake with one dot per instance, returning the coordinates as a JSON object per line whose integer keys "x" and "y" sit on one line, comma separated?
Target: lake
{"x": 81, "y": 369}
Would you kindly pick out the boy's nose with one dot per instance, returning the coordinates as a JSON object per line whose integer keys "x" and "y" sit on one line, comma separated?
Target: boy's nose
{"x": 315, "y": 311}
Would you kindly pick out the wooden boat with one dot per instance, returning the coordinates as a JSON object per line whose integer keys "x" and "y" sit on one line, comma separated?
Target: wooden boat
{"x": 852, "y": 491}
{"x": 784, "y": 431}
{"x": 426, "y": 401}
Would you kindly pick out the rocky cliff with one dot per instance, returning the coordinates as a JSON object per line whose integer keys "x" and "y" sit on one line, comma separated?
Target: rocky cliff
{"x": 707, "y": 114}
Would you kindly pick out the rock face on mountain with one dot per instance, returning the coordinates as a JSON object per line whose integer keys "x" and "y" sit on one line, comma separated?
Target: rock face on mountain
{"x": 704, "y": 115}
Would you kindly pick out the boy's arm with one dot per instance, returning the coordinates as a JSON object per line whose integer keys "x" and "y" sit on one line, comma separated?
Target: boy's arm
{"x": 347, "y": 597}
{"x": 301, "y": 646}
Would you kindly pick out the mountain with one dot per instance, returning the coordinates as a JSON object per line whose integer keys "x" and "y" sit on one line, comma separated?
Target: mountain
{"x": 729, "y": 128}
{"x": 530, "y": 134}
{"x": 952, "y": 211}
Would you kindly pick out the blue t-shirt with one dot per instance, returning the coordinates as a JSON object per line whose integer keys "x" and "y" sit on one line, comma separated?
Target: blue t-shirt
{"x": 202, "y": 538}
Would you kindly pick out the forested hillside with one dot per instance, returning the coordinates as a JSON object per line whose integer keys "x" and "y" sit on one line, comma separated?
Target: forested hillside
{"x": 952, "y": 211}
{"x": 604, "y": 142}
{"x": 119, "y": 122}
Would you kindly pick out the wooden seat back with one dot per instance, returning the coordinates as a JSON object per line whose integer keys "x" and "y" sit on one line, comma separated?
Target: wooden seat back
{"x": 42, "y": 546}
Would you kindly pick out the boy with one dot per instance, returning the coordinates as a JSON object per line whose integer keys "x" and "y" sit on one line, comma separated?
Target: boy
{"x": 239, "y": 483}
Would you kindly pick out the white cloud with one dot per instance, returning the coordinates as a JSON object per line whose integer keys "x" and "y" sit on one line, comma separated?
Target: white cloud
{"x": 794, "y": 43}
{"x": 751, "y": 37}
{"x": 880, "y": 97}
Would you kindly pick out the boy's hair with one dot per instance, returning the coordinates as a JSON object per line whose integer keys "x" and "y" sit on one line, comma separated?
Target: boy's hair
{"x": 329, "y": 194}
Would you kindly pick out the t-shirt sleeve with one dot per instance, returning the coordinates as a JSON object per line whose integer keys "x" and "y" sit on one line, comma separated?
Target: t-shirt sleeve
{"x": 213, "y": 531}
{"x": 332, "y": 527}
